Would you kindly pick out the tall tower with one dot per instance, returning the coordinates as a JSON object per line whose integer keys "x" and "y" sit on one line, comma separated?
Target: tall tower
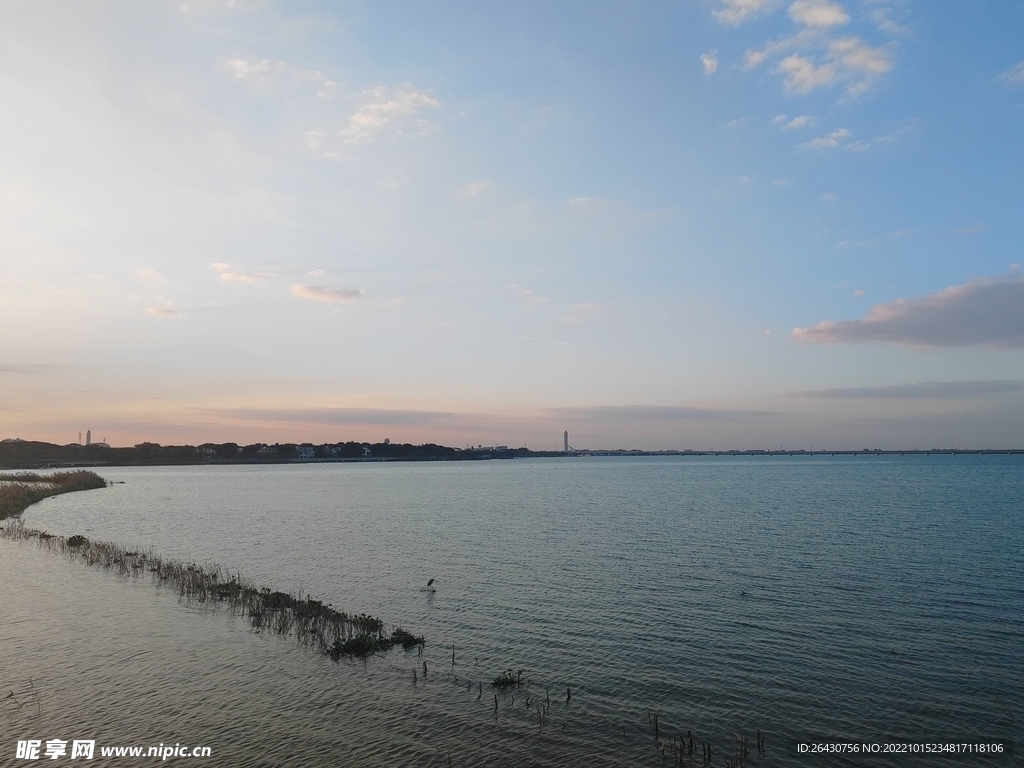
{"x": 565, "y": 441}
{"x": 88, "y": 437}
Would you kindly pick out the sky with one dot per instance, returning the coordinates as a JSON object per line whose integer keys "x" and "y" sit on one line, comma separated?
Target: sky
{"x": 689, "y": 224}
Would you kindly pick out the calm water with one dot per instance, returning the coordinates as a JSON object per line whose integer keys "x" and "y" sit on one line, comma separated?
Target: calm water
{"x": 859, "y": 598}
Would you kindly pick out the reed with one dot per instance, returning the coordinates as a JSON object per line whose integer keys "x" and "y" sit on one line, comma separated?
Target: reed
{"x": 312, "y": 622}
{"x": 20, "y": 491}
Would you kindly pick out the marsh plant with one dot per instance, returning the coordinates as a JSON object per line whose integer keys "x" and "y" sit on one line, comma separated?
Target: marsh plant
{"x": 20, "y": 491}
{"x": 312, "y": 622}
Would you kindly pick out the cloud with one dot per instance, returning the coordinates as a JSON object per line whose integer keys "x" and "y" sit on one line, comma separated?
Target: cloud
{"x": 753, "y": 58}
{"x": 828, "y": 142}
{"x": 961, "y": 231}
{"x": 986, "y": 312}
{"x": 476, "y": 189}
{"x": 817, "y": 13}
{"x": 862, "y": 62}
{"x": 923, "y": 390}
{"x": 846, "y": 59}
{"x": 164, "y": 308}
{"x": 709, "y": 61}
{"x": 317, "y": 293}
{"x": 228, "y": 275}
{"x": 390, "y": 111}
{"x": 150, "y": 275}
{"x": 830, "y": 197}
{"x": 339, "y": 415}
{"x": 31, "y": 369}
{"x": 736, "y": 11}
{"x": 801, "y": 74}
{"x": 530, "y": 298}
{"x": 1014, "y": 75}
{"x": 583, "y": 313}
{"x": 888, "y": 138}
{"x": 265, "y": 75}
{"x": 621, "y": 413}
{"x": 800, "y": 121}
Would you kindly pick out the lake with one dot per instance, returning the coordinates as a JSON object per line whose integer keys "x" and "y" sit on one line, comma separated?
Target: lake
{"x": 868, "y": 599}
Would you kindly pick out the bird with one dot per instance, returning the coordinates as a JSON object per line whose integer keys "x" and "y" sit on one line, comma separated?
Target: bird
{"x": 430, "y": 585}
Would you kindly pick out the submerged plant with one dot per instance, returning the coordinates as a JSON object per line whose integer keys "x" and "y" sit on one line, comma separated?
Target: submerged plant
{"x": 506, "y": 679}
{"x": 311, "y": 621}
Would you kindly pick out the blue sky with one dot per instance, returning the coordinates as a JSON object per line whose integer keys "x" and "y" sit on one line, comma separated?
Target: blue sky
{"x": 727, "y": 223}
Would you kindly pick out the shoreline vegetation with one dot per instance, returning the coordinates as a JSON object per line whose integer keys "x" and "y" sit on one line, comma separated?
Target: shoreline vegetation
{"x": 19, "y": 492}
{"x": 313, "y": 623}
{"x": 29, "y": 454}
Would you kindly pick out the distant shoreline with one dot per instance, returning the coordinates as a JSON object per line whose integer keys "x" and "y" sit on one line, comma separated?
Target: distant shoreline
{"x": 24, "y": 454}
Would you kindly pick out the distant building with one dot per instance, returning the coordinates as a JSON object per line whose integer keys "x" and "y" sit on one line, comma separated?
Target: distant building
{"x": 88, "y": 437}
{"x": 305, "y": 452}
{"x": 565, "y": 441}
{"x": 367, "y": 453}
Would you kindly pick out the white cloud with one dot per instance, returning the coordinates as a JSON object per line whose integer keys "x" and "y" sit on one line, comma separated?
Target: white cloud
{"x": 828, "y": 142}
{"x": 226, "y": 273}
{"x": 391, "y": 111}
{"x": 888, "y": 138}
{"x": 737, "y": 11}
{"x": 802, "y": 76}
{"x": 1014, "y": 75}
{"x": 779, "y": 120}
{"x": 477, "y": 188}
{"x": 861, "y": 62}
{"x": 752, "y": 58}
{"x": 983, "y": 312}
{"x": 831, "y": 197}
{"x": 150, "y": 275}
{"x": 266, "y": 74}
{"x": 317, "y": 293}
{"x": 885, "y": 23}
{"x": 531, "y": 298}
{"x": 817, "y": 13}
{"x": 164, "y": 308}
{"x": 583, "y": 313}
{"x": 814, "y": 59}
{"x": 709, "y": 61}
{"x": 960, "y": 231}
{"x": 800, "y": 121}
